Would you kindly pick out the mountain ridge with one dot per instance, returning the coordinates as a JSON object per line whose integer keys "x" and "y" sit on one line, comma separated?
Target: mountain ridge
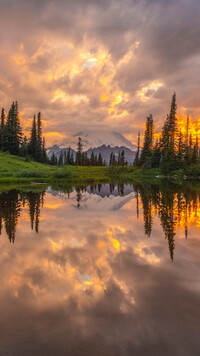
{"x": 103, "y": 142}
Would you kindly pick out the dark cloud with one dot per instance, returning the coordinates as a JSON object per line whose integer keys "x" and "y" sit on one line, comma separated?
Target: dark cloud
{"x": 141, "y": 41}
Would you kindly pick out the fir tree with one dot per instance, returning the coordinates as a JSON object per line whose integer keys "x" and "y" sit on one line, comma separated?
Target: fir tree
{"x": 156, "y": 155}
{"x": 79, "y": 156}
{"x": 181, "y": 151}
{"x": 72, "y": 159}
{"x": 169, "y": 139}
{"x": 68, "y": 161}
{"x": 2, "y": 124}
{"x": 148, "y": 140}
{"x": 12, "y": 131}
{"x": 53, "y": 160}
{"x": 39, "y": 154}
{"x": 44, "y": 153}
{"x": 92, "y": 159}
{"x": 32, "y": 146}
{"x": 113, "y": 161}
{"x": 195, "y": 151}
{"x": 60, "y": 160}
{"x": 137, "y": 156}
{"x": 24, "y": 148}
{"x": 100, "y": 160}
{"x": 122, "y": 159}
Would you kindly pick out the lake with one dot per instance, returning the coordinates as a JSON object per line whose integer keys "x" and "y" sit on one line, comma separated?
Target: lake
{"x": 100, "y": 270}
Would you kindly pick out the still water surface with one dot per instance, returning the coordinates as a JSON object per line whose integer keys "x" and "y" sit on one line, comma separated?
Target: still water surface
{"x": 105, "y": 270}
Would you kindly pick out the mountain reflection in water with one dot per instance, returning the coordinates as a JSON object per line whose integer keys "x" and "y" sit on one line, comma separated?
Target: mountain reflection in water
{"x": 90, "y": 271}
{"x": 174, "y": 207}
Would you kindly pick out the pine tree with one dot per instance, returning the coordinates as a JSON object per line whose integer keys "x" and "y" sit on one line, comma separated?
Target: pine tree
{"x": 148, "y": 140}
{"x": 92, "y": 159}
{"x": 113, "y": 161}
{"x": 79, "y": 157}
{"x": 195, "y": 151}
{"x": 23, "y": 150}
{"x": 44, "y": 153}
{"x": 13, "y": 131}
{"x": 122, "y": 161}
{"x": 172, "y": 122}
{"x": 53, "y": 160}
{"x": 68, "y": 156}
{"x": 95, "y": 160}
{"x": 181, "y": 151}
{"x": 39, "y": 157}
{"x": 72, "y": 159}
{"x": 100, "y": 160}
{"x": 2, "y": 124}
{"x": 137, "y": 156}
{"x": 84, "y": 159}
{"x": 32, "y": 146}
{"x": 187, "y": 148}
{"x": 169, "y": 139}
{"x": 60, "y": 160}
{"x": 156, "y": 155}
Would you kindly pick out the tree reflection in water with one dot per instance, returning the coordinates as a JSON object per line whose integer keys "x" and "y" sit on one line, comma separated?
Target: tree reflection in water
{"x": 11, "y": 204}
{"x": 174, "y": 206}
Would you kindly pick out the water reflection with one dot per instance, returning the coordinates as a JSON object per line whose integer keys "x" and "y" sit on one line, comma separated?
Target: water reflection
{"x": 174, "y": 207}
{"x": 11, "y": 205}
{"x": 98, "y": 279}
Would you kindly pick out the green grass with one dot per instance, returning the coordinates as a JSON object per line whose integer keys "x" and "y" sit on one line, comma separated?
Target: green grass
{"x": 15, "y": 170}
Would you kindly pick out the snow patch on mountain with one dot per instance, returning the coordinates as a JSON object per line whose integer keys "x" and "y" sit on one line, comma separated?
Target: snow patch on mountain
{"x": 94, "y": 139}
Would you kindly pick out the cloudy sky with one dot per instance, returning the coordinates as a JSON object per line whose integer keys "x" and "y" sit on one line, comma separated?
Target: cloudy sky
{"x": 99, "y": 63}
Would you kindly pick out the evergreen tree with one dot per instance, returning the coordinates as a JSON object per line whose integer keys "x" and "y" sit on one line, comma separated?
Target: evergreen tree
{"x": 181, "y": 151}
{"x": 137, "y": 156}
{"x": 53, "y": 160}
{"x": 85, "y": 160}
{"x": 69, "y": 155}
{"x": 169, "y": 139}
{"x": 39, "y": 155}
{"x": 156, "y": 155}
{"x": 65, "y": 158}
{"x": 92, "y": 159}
{"x": 122, "y": 160}
{"x": 24, "y": 148}
{"x": 2, "y": 124}
{"x": 148, "y": 140}
{"x": 188, "y": 151}
{"x": 32, "y": 146}
{"x": 44, "y": 153}
{"x": 170, "y": 130}
{"x": 60, "y": 160}
{"x": 113, "y": 161}
{"x": 195, "y": 151}
{"x": 79, "y": 156}
{"x": 100, "y": 160}
{"x": 95, "y": 160}
{"x": 72, "y": 159}
{"x": 12, "y": 131}
{"x": 36, "y": 146}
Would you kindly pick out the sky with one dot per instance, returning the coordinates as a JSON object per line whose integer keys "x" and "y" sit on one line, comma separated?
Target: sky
{"x": 99, "y": 63}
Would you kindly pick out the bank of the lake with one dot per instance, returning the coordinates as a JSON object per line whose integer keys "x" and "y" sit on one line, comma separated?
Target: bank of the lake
{"x": 14, "y": 169}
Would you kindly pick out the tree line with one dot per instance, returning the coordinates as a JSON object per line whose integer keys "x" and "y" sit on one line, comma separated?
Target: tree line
{"x": 67, "y": 157}
{"x": 174, "y": 149}
{"x": 13, "y": 140}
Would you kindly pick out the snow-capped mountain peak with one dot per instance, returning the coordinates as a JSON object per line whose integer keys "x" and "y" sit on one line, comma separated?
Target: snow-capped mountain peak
{"x": 94, "y": 139}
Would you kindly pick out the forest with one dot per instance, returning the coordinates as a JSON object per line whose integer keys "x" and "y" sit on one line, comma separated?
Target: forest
{"x": 172, "y": 149}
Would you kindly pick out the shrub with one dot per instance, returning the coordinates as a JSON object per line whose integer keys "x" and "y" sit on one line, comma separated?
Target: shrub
{"x": 62, "y": 174}
{"x": 32, "y": 174}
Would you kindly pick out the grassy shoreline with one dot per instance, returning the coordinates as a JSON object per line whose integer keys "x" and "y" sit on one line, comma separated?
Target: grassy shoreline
{"x": 15, "y": 170}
